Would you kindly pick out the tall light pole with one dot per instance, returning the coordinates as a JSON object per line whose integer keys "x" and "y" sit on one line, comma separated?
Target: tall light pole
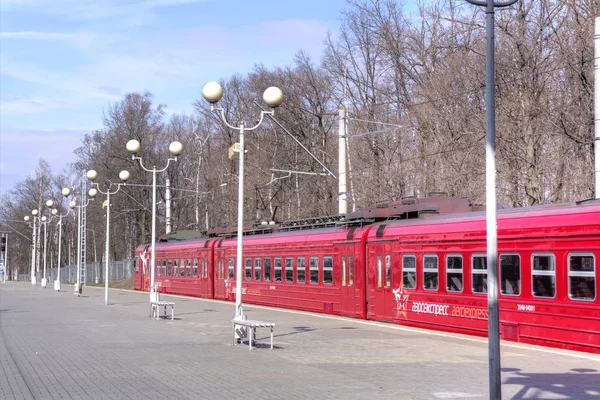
{"x": 45, "y": 221}
{"x": 495, "y": 378}
{"x": 34, "y": 213}
{"x": 66, "y": 192}
{"x": 273, "y": 97}
{"x": 175, "y": 148}
{"x": 92, "y": 176}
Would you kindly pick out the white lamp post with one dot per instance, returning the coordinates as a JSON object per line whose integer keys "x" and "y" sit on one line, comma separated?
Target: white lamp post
{"x": 45, "y": 221}
{"x": 175, "y": 148}
{"x": 35, "y": 213}
{"x": 92, "y": 176}
{"x": 273, "y": 97}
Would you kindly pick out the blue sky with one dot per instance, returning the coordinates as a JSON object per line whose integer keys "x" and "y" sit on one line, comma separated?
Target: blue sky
{"x": 62, "y": 62}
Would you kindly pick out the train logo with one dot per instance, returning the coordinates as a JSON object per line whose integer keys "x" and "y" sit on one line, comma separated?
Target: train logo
{"x": 402, "y": 298}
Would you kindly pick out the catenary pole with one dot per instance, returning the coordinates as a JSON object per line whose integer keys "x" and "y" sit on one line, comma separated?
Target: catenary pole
{"x": 342, "y": 199}
{"x": 495, "y": 380}
{"x": 597, "y": 107}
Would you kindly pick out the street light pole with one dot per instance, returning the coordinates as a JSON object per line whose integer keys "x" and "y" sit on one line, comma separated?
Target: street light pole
{"x": 175, "y": 148}
{"x": 495, "y": 379}
{"x": 92, "y": 176}
{"x": 66, "y": 192}
{"x": 33, "y": 243}
{"x": 273, "y": 97}
{"x": 92, "y": 192}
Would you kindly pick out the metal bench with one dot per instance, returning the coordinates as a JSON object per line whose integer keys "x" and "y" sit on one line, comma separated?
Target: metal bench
{"x": 156, "y": 305}
{"x": 251, "y": 325}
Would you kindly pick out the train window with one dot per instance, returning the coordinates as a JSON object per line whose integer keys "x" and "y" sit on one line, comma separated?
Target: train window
{"x": 164, "y": 267}
{"x": 479, "y": 271}
{"x": 257, "y": 269}
{"x": 430, "y": 272}
{"x": 454, "y": 273}
{"x": 388, "y": 280}
{"x": 278, "y": 269}
{"x": 350, "y": 272}
{"x": 230, "y": 266}
{"x": 314, "y": 270}
{"x": 248, "y": 269}
{"x": 289, "y": 269}
{"x": 170, "y": 267}
{"x": 157, "y": 268}
{"x": 409, "y": 272}
{"x": 301, "y": 270}
{"x": 582, "y": 283}
{"x": 182, "y": 267}
{"x": 195, "y": 267}
{"x": 328, "y": 270}
{"x": 510, "y": 274}
{"x": 267, "y": 270}
{"x": 543, "y": 275}
{"x": 175, "y": 268}
{"x": 188, "y": 267}
{"x": 379, "y": 279}
{"x": 343, "y": 271}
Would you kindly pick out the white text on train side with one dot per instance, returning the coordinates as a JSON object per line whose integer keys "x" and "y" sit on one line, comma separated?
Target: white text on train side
{"x": 428, "y": 308}
{"x": 525, "y": 307}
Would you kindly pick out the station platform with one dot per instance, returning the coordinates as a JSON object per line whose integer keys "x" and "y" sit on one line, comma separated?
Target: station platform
{"x": 54, "y": 345}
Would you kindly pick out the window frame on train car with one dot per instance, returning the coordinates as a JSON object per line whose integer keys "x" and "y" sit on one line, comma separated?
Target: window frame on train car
{"x": 479, "y": 271}
{"x": 195, "y": 268}
{"x": 551, "y": 273}
{"x": 277, "y": 269}
{"x": 230, "y": 268}
{"x": 267, "y": 277}
{"x": 248, "y": 269}
{"x": 343, "y": 271}
{"x": 583, "y": 274}
{"x": 182, "y": 267}
{"x": 257, "y": 269}
{"x": 175, "y": 268}
{"x": 157, "y": 267}
{"x": 329, "y": 281}
{"x": 164, "y": 267}
{"x": 455, "y": 271}
{"x": 430, "y": 270}
{"x": 350, "y": 271}
{"x": 289, "y": 270}
{"x": 379, "y": 269}
{"x": 188, "y": 268}
{"x": 409, "y": 270}
{"x": 388, "y": 271}
{"x": 170, "y": 267}
{"x": 500, "y": 280}
{"x": 301, "y": 267}
{"x": 311, "y": 269}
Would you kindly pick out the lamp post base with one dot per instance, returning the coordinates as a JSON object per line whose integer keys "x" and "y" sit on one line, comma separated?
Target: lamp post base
{"x": 33, "y": 280}
{"x": 44, "y": 282}
{"x": 77, "y": 289}
{"x": 57, "y": 285}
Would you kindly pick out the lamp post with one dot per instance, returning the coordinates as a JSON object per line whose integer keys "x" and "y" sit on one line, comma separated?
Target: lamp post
{"x": 175, "y": 148}
{"x": 273, "y": 97}
{"x": 45, "y": 221}
{"x": 92, "y": 176}
{"x": 495, "y": 382}
{"x": 66, "y": 192}
{"x": 34, "y": 213}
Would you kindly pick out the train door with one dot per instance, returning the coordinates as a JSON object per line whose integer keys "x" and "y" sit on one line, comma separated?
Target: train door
{"x": 379, "y": 272}
{"x": 219, "y": 274}
{"x": 351, "y": 303}
{"x": 138, "y": 277}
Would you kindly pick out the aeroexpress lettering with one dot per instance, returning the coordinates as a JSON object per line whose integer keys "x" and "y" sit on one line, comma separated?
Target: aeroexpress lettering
{"x": 430, "y": 308}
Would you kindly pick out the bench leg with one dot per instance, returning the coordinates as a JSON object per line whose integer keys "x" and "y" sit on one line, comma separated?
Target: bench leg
{"x": 271, "y": 338}
{"x": 233, "y": 339}
{"x": 250, "y": 340}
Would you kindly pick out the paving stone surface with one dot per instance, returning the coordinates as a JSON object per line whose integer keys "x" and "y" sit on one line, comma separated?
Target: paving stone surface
{"x": 54, "y": 345}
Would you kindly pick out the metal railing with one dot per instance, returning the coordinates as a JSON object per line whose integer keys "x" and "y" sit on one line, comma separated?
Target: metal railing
{"x": 94, "y": 272}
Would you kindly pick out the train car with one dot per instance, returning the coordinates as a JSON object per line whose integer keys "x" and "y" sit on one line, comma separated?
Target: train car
{"x": 425, "y": 268}
{"x": 183, "y": 268}
{"x": 432, "y": 273}
{"x": 296, "y": 269}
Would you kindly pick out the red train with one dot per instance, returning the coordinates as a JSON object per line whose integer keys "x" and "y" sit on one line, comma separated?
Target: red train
{"x": 419, "y": 262}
